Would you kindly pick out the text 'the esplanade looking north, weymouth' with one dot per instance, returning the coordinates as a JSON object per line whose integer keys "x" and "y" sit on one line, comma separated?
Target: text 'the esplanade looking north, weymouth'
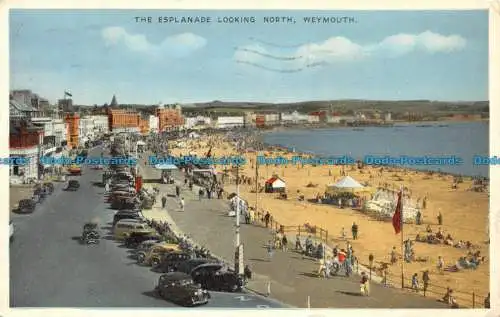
{"x": 249, "y": 159}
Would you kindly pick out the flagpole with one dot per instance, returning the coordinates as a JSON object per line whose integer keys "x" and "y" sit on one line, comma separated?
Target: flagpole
{"x": 402, "y": 241}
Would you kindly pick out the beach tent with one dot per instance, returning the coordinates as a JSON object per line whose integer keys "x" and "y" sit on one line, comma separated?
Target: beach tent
{"x": 345, "y": 184}
{"x": 168, "y": 167}
{"x": 275, "y": 185}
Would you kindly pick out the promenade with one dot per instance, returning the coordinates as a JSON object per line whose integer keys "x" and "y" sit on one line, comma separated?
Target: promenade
{"x": 289, "y": 278}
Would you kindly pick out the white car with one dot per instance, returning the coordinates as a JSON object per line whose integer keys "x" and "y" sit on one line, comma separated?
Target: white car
{"x": 11, "y": 231}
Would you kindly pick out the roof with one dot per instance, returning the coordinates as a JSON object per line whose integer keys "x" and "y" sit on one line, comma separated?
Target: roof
{"x": 176, "y": 276}
{"x": 347, "y": 182}
{"x": 20, "y": 106}
{"x": 273, "y": 179}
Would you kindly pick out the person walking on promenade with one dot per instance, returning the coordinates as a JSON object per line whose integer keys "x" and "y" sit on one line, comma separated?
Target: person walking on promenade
{"x": 106, "y": 188}
{"x": 191, "y": 185}
{"x": 177, "y": 191}
{"x": 440, "y": 264}
{"x": 414, "y": 282}
{"x": 425, "y": 280}
{"x": 267, "y": 217}
{"x": 440, "y": 219}
{"x": 365, "y": 286}
{"x": 200, "y": 193}
{"x": 163, "y": 202}
{"x": 182, "y": 203}
{"x": 269, "y": 250}
{"x": 354, "y": 230}
{"x": 284, "y": 243}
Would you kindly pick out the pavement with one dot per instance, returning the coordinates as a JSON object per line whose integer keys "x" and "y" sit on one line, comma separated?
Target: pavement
{"x": 287, "y": 277}
{"x": 49, "y": 267}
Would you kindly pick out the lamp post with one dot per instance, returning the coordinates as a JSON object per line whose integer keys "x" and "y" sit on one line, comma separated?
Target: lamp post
{"x": 238, "y": 256}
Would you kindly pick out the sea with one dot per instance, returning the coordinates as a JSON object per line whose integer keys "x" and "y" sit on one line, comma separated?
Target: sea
{"x": 464, "y": 140}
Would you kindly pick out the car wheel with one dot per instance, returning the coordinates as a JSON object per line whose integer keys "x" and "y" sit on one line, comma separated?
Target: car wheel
{"x": 155, "y": 262}
{"x": 140, "y": 258}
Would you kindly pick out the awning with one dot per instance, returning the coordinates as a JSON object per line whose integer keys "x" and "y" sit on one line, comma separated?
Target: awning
{"x": 165, "y": 167}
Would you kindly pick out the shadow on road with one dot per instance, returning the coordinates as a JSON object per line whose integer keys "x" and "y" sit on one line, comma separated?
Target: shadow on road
{"x": 98, "y": 184}
{"x": 349, "y": 293}
{"x": 309, "y": 274}
{"x": 258, "y": 260}
{"x": 151, "y": 294}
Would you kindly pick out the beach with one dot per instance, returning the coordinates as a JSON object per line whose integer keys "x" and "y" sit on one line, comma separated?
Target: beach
{"x": 465, "y": 212}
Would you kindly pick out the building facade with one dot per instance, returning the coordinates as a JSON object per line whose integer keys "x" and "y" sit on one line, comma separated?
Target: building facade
{"x": 86, "y": 130}
{"x": 169, "y": 118}
{"x": 230, "y": 122}
{"x": 122, "y": 120}
{"x": 153, "y": 124}
{"x": 144, "y": 125}
{"x": 197, "y": 122}
{"x": 73, "y": 123}
{"x": 294, "y": 118}
{"x": 60, "y": 132}
{"x": 101, "y": 124}
{"x": 25, "y": 141}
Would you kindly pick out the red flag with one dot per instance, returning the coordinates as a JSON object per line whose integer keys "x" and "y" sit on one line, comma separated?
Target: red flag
{"x": 396, "y": 218}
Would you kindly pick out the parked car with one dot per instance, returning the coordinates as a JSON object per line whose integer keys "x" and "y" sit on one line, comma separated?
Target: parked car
{"x": 189, "y": 265}
{"x": 155, "y": 253}
{"x": 136, "y": 238}
{"x": 215, "y": 276}
{"x": 72, "y": 185}
{"x": 170, "y": 261}
{"x": 127, "y": 214}
{"x": 180, "y": 288}
{"x": 11, "y": 231}
{"x": 26, "y": 206}
{"x": 125, "y": 227}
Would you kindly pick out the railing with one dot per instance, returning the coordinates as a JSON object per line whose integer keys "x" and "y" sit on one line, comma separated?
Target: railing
{"x": 464, "y": 299}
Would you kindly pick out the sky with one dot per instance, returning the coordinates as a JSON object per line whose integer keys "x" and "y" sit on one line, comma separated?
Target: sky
{"x": 378, "y": 55}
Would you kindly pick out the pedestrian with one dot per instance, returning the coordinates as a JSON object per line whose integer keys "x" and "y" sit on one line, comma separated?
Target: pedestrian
{"x": 267, "y": 218}
{"x": 414, "y": 282}
{"x": 247, "y": 273}
{"x": 440, "y": 218}
{"x": 177, "y": 191}
{"x": 106, "y": 188}
{"x": 270, "y": 250}
{"x": 394, "y": 258}
{"x": 487, "y": 301}
{"x": 191, "y": 185}
{"x": 200, "y": 193}
{"x": 182, "y": 204}
{"x": 163, "y": 202}
{"x": 364, "y": 284}
{"x": 185, "y": 181}
{"x": 440, "y": 264}
{"x": 343, "y": 233}
{"x": 418, "y": 217}
{"x": 284, "y": 243}
{"x": 425, "y": 280}
{"x": 354, "y": 230}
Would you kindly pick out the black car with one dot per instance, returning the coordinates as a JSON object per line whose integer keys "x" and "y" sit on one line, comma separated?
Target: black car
{"x": 189, "y": 265}
{"x": 127, "y": 214}
{"x": 181, "y": 289}
{"x": 26, "y": 206}
{"x": 72, "y": 185}
{"x": 90, "y": 234}
{"x": 214, "y": 276}
{"x": 137, "y": 238}
{"x": 170, "y": 262}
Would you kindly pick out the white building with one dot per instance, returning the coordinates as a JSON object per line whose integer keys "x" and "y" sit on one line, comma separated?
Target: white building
{"x": 230, "y": 122}
{"x": 250, "y": 118}
{"x": 60, "y": 131}
{"x": 272, "y": 118}
{"x": 333, "y": 119}
{"x": 198, "y": 121}
{"x": 154, "y": 124}
{"x": 86, "y": 129}
{"x": 312, "y": 118}
{"x": 294, "y": 117}
{"x": 101, "y": 124}
{"x": 49, "y": 139}
{"x": 388, "y": 117}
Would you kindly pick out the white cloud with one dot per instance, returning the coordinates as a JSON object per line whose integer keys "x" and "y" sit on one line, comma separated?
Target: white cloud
{"x": 339, "y": 49}
{"x": 177, "y": 45}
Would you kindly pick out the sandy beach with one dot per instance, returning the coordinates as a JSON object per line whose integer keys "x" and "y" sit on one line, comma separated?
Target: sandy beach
{"x": 465, "y": 213}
